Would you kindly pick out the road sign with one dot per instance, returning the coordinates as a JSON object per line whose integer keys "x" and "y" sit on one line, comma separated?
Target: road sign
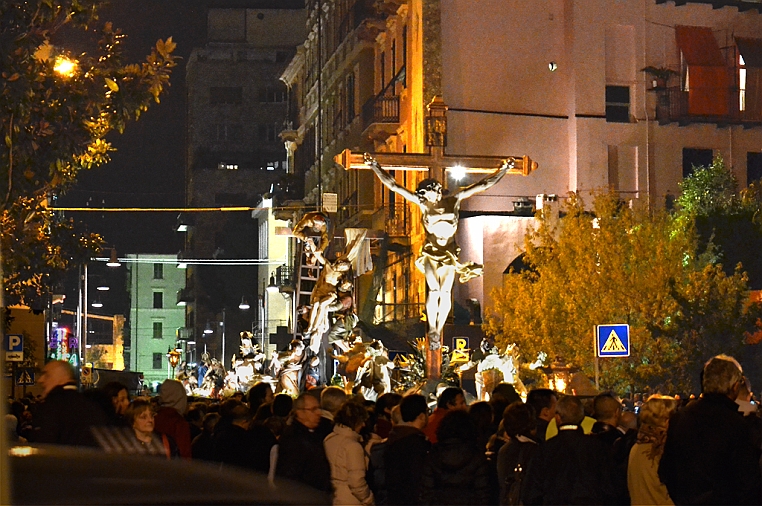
{"x": 25, "y": 376}
{"x": 14, "y": 347}
{"x": 459, "y": 349}
{"x": 613, "y": 340}
{"x": 330, "y": 202}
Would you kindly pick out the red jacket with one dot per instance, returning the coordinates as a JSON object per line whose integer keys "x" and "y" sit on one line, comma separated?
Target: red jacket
{"x": 431, "y": 428}
{"x": 168, "y": 421}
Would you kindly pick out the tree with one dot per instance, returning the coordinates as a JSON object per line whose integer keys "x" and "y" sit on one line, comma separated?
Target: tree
{"x": 619, "y": 265}
{"x": 726, "y": 219}
{"x": 56, "y": 114}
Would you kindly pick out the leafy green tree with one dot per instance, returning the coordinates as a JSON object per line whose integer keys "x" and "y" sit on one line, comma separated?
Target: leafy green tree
{"x": 621, "y": 265}
{"x": 727, "y": 220}
{"x": 56, "y": 111}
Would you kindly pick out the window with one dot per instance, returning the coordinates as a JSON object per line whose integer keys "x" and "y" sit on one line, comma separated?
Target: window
{"x": 158, "y": 271}
{"x": 703, "y": 71}
{"x": 350, "y": 96}
{"x": 618, "y": 104}
{"x": 753, "y": 167}
{"x": 157, "y": 360}
{"x": 268, "y": 132}
{"x": 227, "y": 166}
{"x": 158, "y": 300}
{"x": 741, "y": 83}
{"x": 394, "y": 56}
{"x": 225, "y": 95}
{"x": 157, "y": 330}
{"x": 225, "y": 132}
{"x": 382, "y": 68}
{"x": 695, "y": 157}
{"x": 272, "y": 95}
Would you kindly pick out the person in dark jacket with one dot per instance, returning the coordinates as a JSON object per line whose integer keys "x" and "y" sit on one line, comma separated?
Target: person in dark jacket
{"x": 399, "y": 459}
{"x": 520, "y": 423}
{"x": 543, "y": 400}
{"x": 570, "y": 468}
{"x": 244, "y": 444}
{"x": 202, "y": 446}
{"x": 65, "y": 416}
{"x": 456, "y": 470}
{"x": 709, "y": 457}
{"x": 301, "y": 456}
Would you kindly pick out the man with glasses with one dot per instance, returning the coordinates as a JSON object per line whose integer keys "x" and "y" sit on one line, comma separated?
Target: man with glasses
{"x": 301, "y": 456}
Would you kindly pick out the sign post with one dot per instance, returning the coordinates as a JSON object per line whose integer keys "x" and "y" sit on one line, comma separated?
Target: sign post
{"x": 611, "y": 340}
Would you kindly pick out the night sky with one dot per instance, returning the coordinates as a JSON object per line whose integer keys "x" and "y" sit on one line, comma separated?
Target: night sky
{"x": 147, "y": 170}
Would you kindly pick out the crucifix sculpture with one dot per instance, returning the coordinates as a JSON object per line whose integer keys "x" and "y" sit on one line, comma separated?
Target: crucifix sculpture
{"x": 439, "y": 257}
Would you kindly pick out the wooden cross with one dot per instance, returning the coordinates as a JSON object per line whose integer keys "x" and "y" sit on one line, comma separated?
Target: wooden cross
{"x": 436, "y": 162}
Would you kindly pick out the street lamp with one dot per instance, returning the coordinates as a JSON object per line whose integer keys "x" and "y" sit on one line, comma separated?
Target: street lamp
{"x": 173, "y": 355}
{"x": 244, "y": 305}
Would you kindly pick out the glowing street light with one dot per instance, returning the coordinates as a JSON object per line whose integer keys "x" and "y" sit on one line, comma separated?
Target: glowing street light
{"x": 64, "y": 66}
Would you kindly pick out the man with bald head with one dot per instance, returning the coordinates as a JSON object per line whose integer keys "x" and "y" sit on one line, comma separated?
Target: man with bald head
{"x": 65, "y": 415}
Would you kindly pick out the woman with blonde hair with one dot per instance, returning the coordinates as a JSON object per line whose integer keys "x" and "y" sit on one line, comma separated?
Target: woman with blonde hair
{"x": 643, "y": 466}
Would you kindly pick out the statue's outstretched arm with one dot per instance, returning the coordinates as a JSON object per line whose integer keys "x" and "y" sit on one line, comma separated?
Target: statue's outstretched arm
{"x": 488, "y": 181}
{"x": 389, "y": 181}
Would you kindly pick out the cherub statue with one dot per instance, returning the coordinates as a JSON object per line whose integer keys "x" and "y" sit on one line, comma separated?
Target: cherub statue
{"x": 438, "y": 259}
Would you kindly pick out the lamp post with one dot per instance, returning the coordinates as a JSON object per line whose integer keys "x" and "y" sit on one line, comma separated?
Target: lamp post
{"x": 173, "y": 356}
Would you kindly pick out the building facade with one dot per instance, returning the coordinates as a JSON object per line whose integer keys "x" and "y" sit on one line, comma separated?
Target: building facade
{"x": 154, "y": 281}
{"x": 600, "y": 93}
{"x": 236, "y": 110}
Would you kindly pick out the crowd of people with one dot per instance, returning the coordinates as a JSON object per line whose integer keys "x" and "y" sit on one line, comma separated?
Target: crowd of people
{"x": 549, "y": 449}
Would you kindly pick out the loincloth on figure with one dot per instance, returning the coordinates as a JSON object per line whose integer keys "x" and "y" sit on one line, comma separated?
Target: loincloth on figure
{"x": 448, "y": 255}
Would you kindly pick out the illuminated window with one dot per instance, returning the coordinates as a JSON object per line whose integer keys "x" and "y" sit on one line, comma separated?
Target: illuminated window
{"x": 227, "y": 166}
{"x": 741, "y": 83}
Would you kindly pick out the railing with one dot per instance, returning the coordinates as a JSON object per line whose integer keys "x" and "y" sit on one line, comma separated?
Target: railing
{"x": 381, "y": 110}
{"x": 674, "y": 104}
{"x": 185, "y": 334}
{"x": 397, "y": 220}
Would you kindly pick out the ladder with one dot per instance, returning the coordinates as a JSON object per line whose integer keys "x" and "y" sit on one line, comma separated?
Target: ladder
{"x": 306, "y": 277}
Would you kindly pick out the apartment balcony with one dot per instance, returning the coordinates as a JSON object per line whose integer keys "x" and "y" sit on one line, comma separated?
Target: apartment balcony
{"x": 719, "y": 106}
{"x": 185, "y": 334}
{"x": 381, "y": 116}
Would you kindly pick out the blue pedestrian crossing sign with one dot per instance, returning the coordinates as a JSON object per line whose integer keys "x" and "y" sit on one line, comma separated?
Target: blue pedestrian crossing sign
{"x": 613, "y": 340}
{"x": 25, "y": 376}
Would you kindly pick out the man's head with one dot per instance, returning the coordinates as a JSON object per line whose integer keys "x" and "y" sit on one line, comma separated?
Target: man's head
{"x": 569, "y": 411}
{"x": 722, "y": 375}
{"x": 543, "y": 400}
{"x": 241, "y": 416}
{"x": 429, "y": 189}
{"x": 414, "y": 410}
{"x": 520, "y": 419}
{"x": 307, "y": 411}
{"x": 607, "y": 409}
{"x": 331, "y": 399}
{"x": 452, "y": 398}
{"x": 55, "y": 374}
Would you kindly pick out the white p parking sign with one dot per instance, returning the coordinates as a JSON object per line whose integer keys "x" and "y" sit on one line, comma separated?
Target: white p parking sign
{"x": 14, "y": 348}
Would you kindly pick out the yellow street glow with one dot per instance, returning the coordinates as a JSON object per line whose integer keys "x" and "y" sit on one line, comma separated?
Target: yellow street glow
{"x": 65, "y": 67}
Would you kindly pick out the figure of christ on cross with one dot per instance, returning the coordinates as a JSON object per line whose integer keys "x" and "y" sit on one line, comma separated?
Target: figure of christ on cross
{"x": 439, "y": 260}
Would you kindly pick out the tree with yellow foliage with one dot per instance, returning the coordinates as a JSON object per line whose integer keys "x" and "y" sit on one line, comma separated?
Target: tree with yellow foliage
{"x": 56, "y": 110}
{"x": 621, "y": 265}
